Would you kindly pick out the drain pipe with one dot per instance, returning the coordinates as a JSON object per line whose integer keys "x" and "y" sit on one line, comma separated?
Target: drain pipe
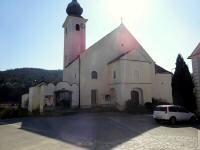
{"x": 79, "y": 102}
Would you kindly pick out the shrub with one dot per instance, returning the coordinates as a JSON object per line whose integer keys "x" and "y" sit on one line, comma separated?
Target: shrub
{"x": 149, "y": 106}
{"x": 36, "y": 112}
{"x": 21, "y": 112}
{"x": 132, "y": 107}
{"x": 8, "y": 112}
{"x": 157, "y": 102}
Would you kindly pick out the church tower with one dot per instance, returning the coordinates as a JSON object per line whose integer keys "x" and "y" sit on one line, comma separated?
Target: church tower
{"x": 74, "y": 33}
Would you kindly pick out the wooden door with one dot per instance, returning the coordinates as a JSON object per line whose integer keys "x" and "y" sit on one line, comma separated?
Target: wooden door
{"x": 94, "y": 97}
{"x": 135, "y": 97}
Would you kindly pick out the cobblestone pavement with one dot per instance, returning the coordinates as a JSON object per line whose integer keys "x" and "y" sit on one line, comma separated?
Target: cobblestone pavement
{"x": 99, "y": 131}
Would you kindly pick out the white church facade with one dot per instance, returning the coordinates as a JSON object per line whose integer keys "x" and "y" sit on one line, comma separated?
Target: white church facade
{"x": 113, "y": 70}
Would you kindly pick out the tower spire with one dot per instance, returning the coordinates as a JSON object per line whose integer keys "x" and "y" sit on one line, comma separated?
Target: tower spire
{"x": 74, "y": 9}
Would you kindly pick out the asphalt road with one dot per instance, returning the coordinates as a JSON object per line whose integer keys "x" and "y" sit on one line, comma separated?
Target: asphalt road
{"x": 96, "y": 131}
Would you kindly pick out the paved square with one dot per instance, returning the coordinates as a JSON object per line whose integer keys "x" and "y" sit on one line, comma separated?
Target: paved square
{"x": 99, "y": 131}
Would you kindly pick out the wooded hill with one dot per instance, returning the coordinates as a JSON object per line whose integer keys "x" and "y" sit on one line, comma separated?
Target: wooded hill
{"x": 14, "y": 83}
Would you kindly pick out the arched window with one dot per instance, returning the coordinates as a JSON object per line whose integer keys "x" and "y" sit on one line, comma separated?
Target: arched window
{"x": 77, "y": 27}
{"x": 94, "y": 75}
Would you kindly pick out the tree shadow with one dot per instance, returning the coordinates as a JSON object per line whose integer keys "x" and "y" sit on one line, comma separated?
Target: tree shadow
{"x": 89, "y": 130}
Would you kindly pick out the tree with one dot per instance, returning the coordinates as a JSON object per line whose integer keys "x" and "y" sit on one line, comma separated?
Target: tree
{"x": 182, "y": 86}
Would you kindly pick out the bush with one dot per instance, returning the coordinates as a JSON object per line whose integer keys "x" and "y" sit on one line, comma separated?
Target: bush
{"x": 149, "y": 106}
{"x": 10, "y": 112}
{"x": 7, "y": 113}
{"x": 132, "y": 107}
{"x": 35, "y": 112}
{"x": 157, "y": 102}
{"x": 21, "y": 112}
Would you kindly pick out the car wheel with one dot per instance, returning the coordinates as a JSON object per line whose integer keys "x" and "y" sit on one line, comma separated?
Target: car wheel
{"x": 172, "y": 120}
{"x": 193, "y": 119}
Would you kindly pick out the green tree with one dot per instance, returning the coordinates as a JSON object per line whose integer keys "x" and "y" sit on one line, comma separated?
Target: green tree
{"x": 182, "y": 86}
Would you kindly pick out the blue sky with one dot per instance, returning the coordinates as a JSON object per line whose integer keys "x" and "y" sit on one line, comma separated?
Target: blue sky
{"x": 31, "y": 33}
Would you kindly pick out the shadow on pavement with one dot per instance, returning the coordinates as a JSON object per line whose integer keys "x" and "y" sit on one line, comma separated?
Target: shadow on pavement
{"x": 89, "y": 130}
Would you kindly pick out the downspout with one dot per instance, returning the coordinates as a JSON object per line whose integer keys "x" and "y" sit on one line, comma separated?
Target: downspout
{"x": 79, "y": 103}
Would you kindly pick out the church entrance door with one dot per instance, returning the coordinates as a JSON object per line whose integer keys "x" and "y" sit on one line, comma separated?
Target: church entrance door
{"x": 135, "y": 97}
{"x": 94, "y": 98}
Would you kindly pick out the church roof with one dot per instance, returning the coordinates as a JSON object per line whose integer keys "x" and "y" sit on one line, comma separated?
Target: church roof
{"x": 196, "y": 52}
{"x": 114, "y": 34}
{"x": 118, "y": 57}
{"x": 124, "y": 54}
{"x": 116, "y": 30}
{"x": 161, "y": 70}
{"x": 158, "y": 69}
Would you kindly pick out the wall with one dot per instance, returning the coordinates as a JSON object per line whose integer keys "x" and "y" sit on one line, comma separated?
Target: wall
{"x": 74, "y": 41}
{"x": 163, "y": 87}
{"x": 133, "y": 73}
{"x": 24, "y": 100}
{"x": 97, "y": 57}
{"x": 50, "y": 89}
{"x": 196, "y": 79}
{"x": 75, "y": 95}
{"x": 37, "y": 94}
{"x": 34, "y": 98}
{"x": 71, "y": 73}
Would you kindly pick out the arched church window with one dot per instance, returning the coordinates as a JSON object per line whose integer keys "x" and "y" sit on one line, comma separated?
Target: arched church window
{"x": 77, "y": 27}
{"x": 94, "y": 75}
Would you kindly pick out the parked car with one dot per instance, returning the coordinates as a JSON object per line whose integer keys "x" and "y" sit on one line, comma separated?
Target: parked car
{"x": 173, "y": 113}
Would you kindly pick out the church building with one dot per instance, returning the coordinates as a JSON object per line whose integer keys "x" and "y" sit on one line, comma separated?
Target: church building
{"x": 113, "y": 70}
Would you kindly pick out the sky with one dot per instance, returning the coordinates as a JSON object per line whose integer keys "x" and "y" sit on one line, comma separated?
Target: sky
{"x": 31, "y": 33}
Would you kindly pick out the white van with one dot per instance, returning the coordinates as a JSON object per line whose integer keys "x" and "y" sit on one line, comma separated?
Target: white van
{"x": 173, "y": 113}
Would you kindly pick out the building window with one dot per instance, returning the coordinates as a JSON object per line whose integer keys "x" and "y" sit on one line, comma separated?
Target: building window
{"x": 77, "y": 27}
{"x": 114, "y": 74}
{"x": 94, "y": 75}
{"x": 75, "y": 76}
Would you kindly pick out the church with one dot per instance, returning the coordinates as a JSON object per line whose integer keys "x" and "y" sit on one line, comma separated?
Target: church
{"x": 113, "y": 70}
{"x": 110, "y": 72}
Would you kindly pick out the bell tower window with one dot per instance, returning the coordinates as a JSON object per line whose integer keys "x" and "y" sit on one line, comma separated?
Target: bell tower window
{"x": 77, "y": 27}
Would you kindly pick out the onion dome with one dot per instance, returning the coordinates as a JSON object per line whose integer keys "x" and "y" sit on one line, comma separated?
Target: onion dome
{"x": 74, "y": 9}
